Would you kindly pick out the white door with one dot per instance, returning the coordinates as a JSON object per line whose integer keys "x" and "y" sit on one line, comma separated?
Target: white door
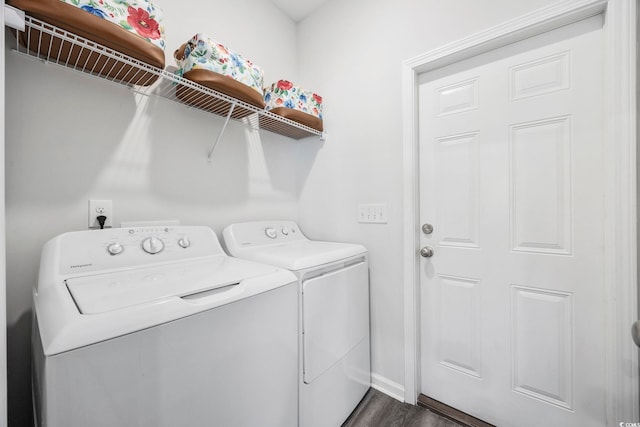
{"x": 511, "y": 170}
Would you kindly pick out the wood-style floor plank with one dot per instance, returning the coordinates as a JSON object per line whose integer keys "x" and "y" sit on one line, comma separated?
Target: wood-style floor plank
{"x": 379, "y": 410}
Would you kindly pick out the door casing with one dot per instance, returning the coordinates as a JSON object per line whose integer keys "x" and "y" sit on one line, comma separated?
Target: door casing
{"x": 3, "y": 285}
{"x": 620, "y": 183}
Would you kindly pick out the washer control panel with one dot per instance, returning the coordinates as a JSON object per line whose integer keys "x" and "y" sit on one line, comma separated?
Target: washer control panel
{"x": 93, "y": 250}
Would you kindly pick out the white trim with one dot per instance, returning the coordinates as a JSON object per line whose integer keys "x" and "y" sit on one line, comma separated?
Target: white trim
{"x": 537, "y": 22}
{"x": 621, "y": 216}
{"x": 388, "y": 387}
{"x": 620, "y": 157}
{"x": 410, "y": 232}
{"x": 3, "y": 284}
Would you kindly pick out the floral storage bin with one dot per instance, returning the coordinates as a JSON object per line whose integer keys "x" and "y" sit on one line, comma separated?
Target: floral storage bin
{"x": 294, "y": 103}
{"x": 211, "y": 64}
{"x": 132, "y": 27}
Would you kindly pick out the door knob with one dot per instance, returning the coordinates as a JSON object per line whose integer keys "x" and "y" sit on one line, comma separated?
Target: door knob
{"x": 635, "y": 333}
{"x": 426, "y": 252}
{"x": 427, "y": 228}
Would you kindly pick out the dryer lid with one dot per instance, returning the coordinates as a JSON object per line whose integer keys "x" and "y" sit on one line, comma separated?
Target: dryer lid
{"x": 101, "y": 293}
{"x": 301, "y": 254}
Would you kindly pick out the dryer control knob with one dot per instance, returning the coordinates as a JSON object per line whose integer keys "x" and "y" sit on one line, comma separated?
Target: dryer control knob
{"x": 271, "y": 232}
{"x": 152, "y": 245}
{"x": 115, "y": 248}
{"x": 184, "y": 242}
{"x": 285, "y": 231}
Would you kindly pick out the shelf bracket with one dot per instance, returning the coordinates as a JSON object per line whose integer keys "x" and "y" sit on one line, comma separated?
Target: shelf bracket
{"x": 14, "y": 18}
{"x": 224, "y": 126}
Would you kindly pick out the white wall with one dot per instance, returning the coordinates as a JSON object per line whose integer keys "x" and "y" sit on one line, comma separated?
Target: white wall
{"x": 354, "y": 50}
{"x": 71, "y": 137}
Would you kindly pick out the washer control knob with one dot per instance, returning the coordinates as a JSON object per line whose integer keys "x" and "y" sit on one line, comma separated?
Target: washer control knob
{"x": 152, "y": 245}
{"x": 285, "y": 231}
{"x": 115, "y": 248}
{"x": 271, "y": 232}
{"x": 184, "y": 242}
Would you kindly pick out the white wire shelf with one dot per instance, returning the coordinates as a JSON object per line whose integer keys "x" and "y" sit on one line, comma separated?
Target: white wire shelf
{"x": 55, "y": 45}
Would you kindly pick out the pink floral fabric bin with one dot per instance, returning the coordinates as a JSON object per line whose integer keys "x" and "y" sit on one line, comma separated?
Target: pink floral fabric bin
{"x": 132, "y": 27}
{"x": 139, "y": 17}
{"x": 295, "y": 103}
{"x": 212, "y": 64}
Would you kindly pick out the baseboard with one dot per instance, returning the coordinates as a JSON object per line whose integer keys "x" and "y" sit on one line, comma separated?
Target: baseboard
{"x": 388, "y": 387}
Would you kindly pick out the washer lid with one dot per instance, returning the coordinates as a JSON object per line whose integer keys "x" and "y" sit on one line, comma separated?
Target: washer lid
{"x": 301, "y": 254}
{"x": 106, "y": 292}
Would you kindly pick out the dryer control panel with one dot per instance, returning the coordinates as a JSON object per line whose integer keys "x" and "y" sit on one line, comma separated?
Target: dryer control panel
{"x": 258, "y": 233}
{"x": 281, "y": 243}
{"x": 117, "y": 248}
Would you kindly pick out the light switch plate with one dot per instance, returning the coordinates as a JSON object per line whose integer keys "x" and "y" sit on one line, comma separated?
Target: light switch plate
{"x": 372, "y": 213}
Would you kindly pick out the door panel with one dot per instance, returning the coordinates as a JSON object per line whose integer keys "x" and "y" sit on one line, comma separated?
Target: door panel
{"x": 511, "y": 168}
{"x": 544, "y": 373}
{"x": 541, "y": 196}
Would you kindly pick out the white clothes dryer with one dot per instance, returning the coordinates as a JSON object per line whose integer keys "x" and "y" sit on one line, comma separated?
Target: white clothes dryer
{"x": 334, "y": 313}
{"x": 158, "y": 327}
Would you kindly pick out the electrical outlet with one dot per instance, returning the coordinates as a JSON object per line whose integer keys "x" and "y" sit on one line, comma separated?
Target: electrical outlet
{"x": 97, "y": 208}
{"x": 372, "y": 214}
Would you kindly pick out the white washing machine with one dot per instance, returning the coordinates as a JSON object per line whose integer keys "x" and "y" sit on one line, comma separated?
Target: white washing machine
{"x": 157, "y": 326}
{"x": 334, "y": 313}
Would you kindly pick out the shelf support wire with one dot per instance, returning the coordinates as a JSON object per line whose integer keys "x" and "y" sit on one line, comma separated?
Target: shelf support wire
{"x": 224, "y": 126}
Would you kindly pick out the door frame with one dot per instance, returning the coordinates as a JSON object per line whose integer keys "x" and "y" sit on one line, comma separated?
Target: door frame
{"x": 3, "y": 293}
{"x": 621, "y": 305}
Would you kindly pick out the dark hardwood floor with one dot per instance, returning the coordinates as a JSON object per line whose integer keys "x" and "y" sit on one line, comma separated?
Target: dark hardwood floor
{"x": 379, "y": 410}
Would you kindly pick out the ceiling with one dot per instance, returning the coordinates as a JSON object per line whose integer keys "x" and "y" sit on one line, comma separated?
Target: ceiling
{"x": 298, "y": 9}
